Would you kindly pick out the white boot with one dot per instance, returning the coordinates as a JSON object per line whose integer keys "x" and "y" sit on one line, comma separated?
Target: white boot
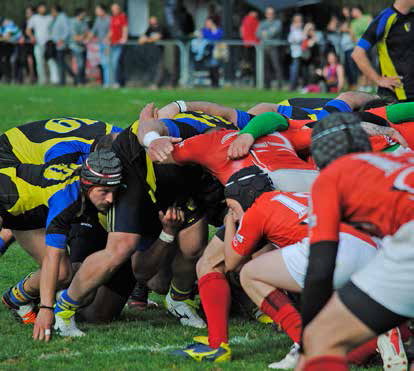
{"x": 185, "y": 311}
{"x": 392, "y": 351}
{"x": 290, "y": 361}
{"x": 65, "y": 324}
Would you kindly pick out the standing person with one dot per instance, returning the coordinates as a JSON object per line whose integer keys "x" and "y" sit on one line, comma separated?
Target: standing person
{"x": 100, "y": 30}
{"x": 271, "y": 29}
{"x": 77, "y": 44}
{"x": 347, "y": 46}
{"x": 25, "y": 57}
{"x": 118, "y": 35}
{"x": 295, "y": 39}
{"x": 248, "y": 29}
{"x": 38, "y": 32}
{"x": 60, "y": 34}
{"x": 393, "y": 33}
{"x": 10, "y": 34}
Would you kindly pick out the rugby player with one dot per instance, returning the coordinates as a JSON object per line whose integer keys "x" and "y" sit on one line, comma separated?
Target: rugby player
{"x": 375, "y": 193}
{"x": 39, "y": 203}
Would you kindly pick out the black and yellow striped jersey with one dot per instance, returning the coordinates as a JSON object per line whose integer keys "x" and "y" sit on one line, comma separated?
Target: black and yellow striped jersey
{"x": 64, "y": 140}
{"x": 393, "y": 33}
{"x": 42, "y": 196}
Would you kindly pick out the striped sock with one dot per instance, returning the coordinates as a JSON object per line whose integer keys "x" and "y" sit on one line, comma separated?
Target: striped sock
{"x": 181, "y": 295}
{"x": 65, "y": 302}
{"x": 18, "y": 295}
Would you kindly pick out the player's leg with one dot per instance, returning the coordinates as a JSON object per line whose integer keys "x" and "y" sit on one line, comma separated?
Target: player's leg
{"x": 263, "y": 108}
{"x": 6, "y": 239}
{"x": 180, "y": 298}
{"x": 356, "y": 99}
{"x": 377, "y": 299}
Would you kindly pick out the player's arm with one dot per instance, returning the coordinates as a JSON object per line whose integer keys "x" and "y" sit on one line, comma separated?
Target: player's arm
{"x": 341, "y": 77}
{"x": 153, "y": 258}
{"x": 324, "y": 231}
{"x": 263, "y": 108}
{"x": 257, "y": 127}
{"x": 375, "y": 130}
{"x": 240, "y": 242}
{"x": 400, "y": 112}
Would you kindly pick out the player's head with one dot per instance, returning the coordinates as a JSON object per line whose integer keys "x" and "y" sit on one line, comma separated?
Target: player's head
{"x": 336, "y": 135}
{"x": 100, "y": 176}
{"x": 243, "y": 187}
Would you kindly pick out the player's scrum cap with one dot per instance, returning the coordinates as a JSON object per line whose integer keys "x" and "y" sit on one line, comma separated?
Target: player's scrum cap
{"x": 246, "y": 185}
{"x": 336, "y": 135}
{"x": 102, "y": 168}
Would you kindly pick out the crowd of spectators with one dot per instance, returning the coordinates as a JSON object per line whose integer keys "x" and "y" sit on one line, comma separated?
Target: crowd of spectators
{"x": 50, "y": 46}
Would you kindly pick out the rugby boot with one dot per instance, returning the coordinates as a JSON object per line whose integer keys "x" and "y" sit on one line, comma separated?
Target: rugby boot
{"x": 25, "y": 314}
{"x": 139, "y": 298}
{"x": 200, "y": 351}
{"x": 65, "y": 324}
{"x": 185, "y": 311}
{"x": 290, "y": 361}
{"x": 392, "y": 351}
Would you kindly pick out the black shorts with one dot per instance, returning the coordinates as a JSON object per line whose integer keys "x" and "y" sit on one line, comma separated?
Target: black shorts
{"x": 85, "y": 239}
{"x": 33, "y": 219}
{"x": 374, "y": 315}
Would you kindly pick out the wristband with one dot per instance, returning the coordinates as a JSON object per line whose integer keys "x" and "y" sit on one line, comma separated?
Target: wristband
{"x": 166, "y": 237}
{"x": 46, "y": 307}
{"x": 181, "y": 105}
{"x": 149, "y": 137}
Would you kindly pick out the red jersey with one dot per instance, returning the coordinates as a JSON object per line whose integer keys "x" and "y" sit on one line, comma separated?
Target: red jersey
{"x": 117, "y": 23}
{"x": 281, "y": 218}
{"x": 271, "y": 152}
{"x": 373, "y": 191}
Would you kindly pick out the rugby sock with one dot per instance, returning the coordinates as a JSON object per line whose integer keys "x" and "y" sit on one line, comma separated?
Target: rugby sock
{"x": 65, "y": 302}
{"x": 361, "y": 354}
{"x": 279, "y": 307}
{"x": 18, "y": 295}
{"x": 215, "y": 297}
{"x": 180, "y": 295}
{"x": 325, "y": 363}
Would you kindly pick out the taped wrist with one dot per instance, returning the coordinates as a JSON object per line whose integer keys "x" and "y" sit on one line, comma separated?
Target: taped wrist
{"x": 400, "y": 112}
{"x": 319, "y": 279}
{"x": 265, "y": 123}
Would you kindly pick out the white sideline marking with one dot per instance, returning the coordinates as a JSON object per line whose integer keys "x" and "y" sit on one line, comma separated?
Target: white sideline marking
{"x": 141, "y": 348}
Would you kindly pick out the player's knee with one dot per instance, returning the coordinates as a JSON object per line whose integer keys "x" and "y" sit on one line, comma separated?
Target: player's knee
{"x": 119, "y": 250}
{"x": 200, "y": 267}
{"x": 246, "y": 276}
{"x": 64, "y": 277}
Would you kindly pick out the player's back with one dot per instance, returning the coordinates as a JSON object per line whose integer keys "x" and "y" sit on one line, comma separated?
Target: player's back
{"x": 61, "y": 140}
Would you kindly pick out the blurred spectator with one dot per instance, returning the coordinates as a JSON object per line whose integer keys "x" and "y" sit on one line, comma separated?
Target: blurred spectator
{"x": 77, "y": 45}
{"x": 60, "y": 30}
{"x": 184, "y": 22}
{"x": 38, "y": 32}
{"x": 212, "y": 33}
{"x": 333, "y": 36}
{"x": 310, "y": 52}
{"x": 213, "y": 14}
{"x": 100, "y": 30}
{"x": 347, "y": 46}
{"x": 346, "y": 13}
{"x": 118, "y": 35}
{"x": 248, "y": 30}
{"x": 271, "y": 29}
{"x": 25, "y": 57}
{"x": 155, "y": 32}
{"x": 359, "y": 22}
{"x": 333, "y": 73}
{"x": 10, "y": 34}
{"x": 295, "y": 38}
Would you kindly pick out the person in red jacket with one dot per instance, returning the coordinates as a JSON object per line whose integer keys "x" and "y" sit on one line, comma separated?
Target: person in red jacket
{"x": 248, "y": 28}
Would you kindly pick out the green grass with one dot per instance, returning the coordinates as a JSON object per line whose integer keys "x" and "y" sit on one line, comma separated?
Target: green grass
{"x": 136, "y": 341}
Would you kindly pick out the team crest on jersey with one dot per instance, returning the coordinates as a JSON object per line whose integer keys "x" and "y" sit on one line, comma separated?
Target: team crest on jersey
{"x": 238, "y": 238}
{"x": 407, "y": 26}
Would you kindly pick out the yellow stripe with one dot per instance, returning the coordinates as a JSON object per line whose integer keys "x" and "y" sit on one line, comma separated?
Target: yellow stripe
{"x": 103, "y": 221}
{"x": 387, "y": 66}
{"x": 284, "y": 102}
{"x": 312, "y": 116}
{"x": 151, "y": 179}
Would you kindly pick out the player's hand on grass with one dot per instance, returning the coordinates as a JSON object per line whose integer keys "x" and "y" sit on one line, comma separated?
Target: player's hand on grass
{"x": 172, "y": 220}
{"x": 149, "y": 112}
{"x": 43, "y": 326}
{"x": 389, "y": 82}
{"x": 161, "y": 148}
{"x": 241, "y": 146}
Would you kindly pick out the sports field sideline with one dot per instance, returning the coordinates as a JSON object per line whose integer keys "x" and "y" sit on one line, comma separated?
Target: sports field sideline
{"x": 138, "y": 341}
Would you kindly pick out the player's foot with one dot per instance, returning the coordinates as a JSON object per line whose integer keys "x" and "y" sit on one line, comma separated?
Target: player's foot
{"x": 65, "y": 324}
{"x": 185, "y": 311}
{"x": 392, "y": 351}
{"x": 25, "y": 314}
{"x": 262, "y": 317}
{"x": 290, "y": 361}
{"x": 202, "y": 352}
{"x": 139, "y": 298}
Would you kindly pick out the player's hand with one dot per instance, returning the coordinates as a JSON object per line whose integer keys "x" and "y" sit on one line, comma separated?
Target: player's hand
{"x": 397, "y": 137}
{"x": 373, "y": 130}
{"x": 172, "y": 220}
{"x": 240, "y": 147}
{"x": 43, "y": 326}
{"x": 149, "y": 112}
{"x": 169, "y": 111}
{"x": 389, "y": 82}
{"x": 161, "y": 148}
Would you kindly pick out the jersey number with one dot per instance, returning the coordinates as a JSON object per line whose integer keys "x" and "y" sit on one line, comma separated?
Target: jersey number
{"x": 63, "y": 126}
{"x": 59, "y": 171}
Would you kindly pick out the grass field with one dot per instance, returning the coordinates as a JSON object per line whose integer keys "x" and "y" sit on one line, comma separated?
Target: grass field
{"x": 137, "y": 341}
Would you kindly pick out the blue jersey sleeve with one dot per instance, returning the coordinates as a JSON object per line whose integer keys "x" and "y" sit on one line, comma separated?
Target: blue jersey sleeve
{"x": 116, "y": 129}
{"x": 73, "y": 151}
{"x": 243, "y": 118}
{"x": 64, "y": 206}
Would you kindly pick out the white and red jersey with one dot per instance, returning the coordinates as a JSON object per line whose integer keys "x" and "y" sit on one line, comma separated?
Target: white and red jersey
{"x": 271, "y": 152}
{"x": 282, "y": 219}
{"x": 373, "y": 191}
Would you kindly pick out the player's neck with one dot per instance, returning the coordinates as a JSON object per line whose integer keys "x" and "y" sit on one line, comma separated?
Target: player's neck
{"x": 402, "y": 6}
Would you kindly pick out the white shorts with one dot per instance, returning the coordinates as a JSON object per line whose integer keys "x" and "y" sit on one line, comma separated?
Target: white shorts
{"x": 389, "y": 278}
{"x": 293, "y": 180}
{"x": 353, "y": 254}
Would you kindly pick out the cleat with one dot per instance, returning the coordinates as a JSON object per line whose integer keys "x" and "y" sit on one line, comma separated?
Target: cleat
{"x": 25, "y": 314}
{"x": 201, "y": 352}
{"x": 140, "y": 306}
{"x": 185, "y": 311}
{"x": 392, "y": 351}
{"x": 290, "y": 361}
{"x": 65, "y": 324}
{"x": 263, "y": 318}
{"x": 201, "y": 340}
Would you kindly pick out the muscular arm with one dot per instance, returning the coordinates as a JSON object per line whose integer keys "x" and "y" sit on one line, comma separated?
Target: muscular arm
{"x": 374, "y": 130}
{"x": 231, "y": 258}
{"x": 151, "y": 125}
